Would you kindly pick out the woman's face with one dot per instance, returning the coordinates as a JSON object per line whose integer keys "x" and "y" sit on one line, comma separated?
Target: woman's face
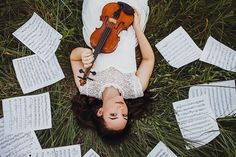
{"x": 114, "y": 112}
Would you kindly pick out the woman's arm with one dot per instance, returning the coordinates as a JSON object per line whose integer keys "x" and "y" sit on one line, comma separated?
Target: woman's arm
{"x": 80, "y": 58}
{"x": 145, "y": 69}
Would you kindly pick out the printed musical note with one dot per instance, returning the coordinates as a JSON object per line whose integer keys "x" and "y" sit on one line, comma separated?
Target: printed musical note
{"x": 33, "y": 73}
{"x": 39, "y": 37}
{"x": 27, "y": 113}
{"x": 219, "y": 55}
{"x": 17, "y": 145}
{"x": 222, "y": 96}
{"x": 67, "y": 151}
{"x": 161, "y": 150}
{"x": 178, "y": 48}
{"x": 196, "y": 121}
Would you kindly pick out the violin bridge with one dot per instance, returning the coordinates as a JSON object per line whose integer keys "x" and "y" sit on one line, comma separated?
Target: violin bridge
{"x": 112, "y": 20}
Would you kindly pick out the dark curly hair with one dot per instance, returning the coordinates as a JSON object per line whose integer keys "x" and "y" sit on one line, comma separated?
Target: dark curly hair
{"x": 85, "y": 109}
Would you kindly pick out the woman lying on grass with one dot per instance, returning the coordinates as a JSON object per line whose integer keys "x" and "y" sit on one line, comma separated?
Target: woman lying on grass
{"x": 116, "y": 95}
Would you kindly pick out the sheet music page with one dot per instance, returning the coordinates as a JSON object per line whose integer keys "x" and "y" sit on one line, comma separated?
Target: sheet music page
{"x": 196, "y": 121}
{"x": 33, "y": 73}
{"x": 91, "y": 153}
{"x": 39, "y": 37}
{"x": 219, "y": 55}
{"x": 222, "y": 96}
{"x": 178, "y": 48}
{"x": 161, "y": 150}
{"x": 17, "y": 145}
{"x": 67, "y": 151}
{"x": 27, "y": 113}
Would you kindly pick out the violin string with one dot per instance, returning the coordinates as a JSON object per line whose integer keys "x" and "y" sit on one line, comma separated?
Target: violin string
{"x": 100, "y": 45}
{"x": 101, "y": 42}
{"x": 105, "y": 33}
{"x": 104, "y": 36}
{"x": 108, "y": 30}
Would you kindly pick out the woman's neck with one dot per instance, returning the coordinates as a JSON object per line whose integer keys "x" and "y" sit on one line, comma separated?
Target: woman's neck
{"x": 109, "y": 93}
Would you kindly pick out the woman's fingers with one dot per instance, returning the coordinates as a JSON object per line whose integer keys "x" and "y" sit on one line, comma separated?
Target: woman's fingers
{"x": 87, "y": 58}
{"x": 87, "y": 65}
{"x": 87, "y": 53}
{"x": 91, "y": 57}
{"x": 137, "y": 17}
{"x": 87, "y": 61}
{"x": 137, "y": 11}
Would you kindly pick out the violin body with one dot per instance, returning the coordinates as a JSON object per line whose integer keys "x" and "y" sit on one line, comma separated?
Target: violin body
{"x": 116, "y": 24}
{"x": 115, "y": 17}
{"x": 111, "y": 42}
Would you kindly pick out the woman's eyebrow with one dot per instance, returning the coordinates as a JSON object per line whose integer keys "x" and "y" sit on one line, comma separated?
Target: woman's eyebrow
{"x": 113, "y": 114}
{"x": 117, "y": 118}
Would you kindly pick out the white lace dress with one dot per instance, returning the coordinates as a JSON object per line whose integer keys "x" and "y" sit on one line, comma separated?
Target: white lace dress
{"x": 128, "y": 84}
{"x": 118, "y": 68}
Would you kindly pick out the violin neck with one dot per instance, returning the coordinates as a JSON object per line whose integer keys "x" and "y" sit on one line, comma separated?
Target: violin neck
{"x": 102, "y": 41}
{"x": 98, "y": 49}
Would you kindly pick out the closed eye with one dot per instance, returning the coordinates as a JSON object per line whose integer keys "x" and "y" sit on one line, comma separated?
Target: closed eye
{"x": 125, "y": 116}
{"x": 113, "y": 114}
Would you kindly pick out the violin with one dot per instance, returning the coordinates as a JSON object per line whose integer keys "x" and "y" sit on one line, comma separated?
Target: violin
{"x": 115, "y": 18}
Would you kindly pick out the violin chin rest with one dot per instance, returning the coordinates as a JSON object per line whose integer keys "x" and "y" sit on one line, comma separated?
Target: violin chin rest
{"x": 126, "y": 8}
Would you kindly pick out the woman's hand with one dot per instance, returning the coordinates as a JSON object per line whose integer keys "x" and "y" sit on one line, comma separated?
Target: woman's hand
{"x": 137, "y": 19}
{"x": 87, "y": 58}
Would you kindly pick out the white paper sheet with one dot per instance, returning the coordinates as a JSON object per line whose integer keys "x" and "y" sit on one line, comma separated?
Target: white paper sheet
{"x": 196, "y": 121}
{"x": 33, "y": 73}
{"x": 91, "y": 153}
{"x": 178, "y": 48}
{"x": 67, "y": 151}
{"x": 27, "y": 113}
{"x": 219, "y": 55}
{"x": 222, "y": 96}
{"x": 39, "y": 37}
{"x": 161, "y": 150}
{"x": 17, "y": 145}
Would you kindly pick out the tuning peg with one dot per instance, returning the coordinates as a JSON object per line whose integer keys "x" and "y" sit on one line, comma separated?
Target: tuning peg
{"x": 93, "y": 72}
{"x": 80, "y": 77}
{"x": 81, "y": 71}
{"x": 90, "y": 79}
{"x": 84, "y": 79}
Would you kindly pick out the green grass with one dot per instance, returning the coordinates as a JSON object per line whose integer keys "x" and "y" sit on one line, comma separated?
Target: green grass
{"x": 200, "y": 18}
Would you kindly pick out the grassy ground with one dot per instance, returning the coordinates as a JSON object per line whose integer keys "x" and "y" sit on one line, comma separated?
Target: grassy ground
{"x": 200, "y": 18}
